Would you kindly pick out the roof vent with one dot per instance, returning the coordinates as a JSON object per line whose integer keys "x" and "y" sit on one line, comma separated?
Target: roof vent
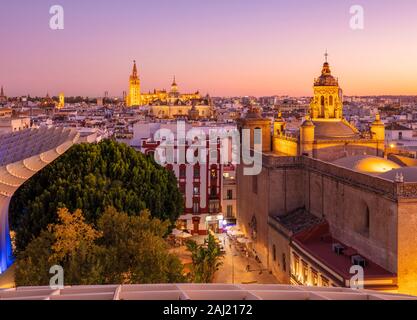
{"x": 358, "y": 261}
{"x": 338, "y": 248}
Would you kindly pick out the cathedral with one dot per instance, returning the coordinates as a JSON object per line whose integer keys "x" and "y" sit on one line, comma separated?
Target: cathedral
{"x": 168, "y": 104}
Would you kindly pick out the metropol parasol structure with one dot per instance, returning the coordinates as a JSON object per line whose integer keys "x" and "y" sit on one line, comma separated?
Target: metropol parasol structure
{"x": 22, "y": 154}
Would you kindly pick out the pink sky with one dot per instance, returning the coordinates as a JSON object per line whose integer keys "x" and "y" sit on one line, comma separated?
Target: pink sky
{"x": 233, "y": 47}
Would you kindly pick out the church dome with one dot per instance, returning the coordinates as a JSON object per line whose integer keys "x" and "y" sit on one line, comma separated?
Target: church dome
{"x": 368, "y": 164}
{"x": 333, "y": 130}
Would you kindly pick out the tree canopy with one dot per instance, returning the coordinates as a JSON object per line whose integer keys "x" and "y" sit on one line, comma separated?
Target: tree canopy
{"x": 92, "y": 177}
{"x": 122, "y": 249}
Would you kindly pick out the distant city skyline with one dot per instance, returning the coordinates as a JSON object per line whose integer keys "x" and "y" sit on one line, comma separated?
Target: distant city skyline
{"x": 224, "y": 48}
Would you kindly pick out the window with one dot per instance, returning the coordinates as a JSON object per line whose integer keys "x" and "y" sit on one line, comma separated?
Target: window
{"x": 229, "y": 211}
{"x": 284, "y": 262}
{"x": 324, "y": 281}
{"x": 331, "y": 100}
{"x": 196, "y": 190}
{"x": 182, "y": 188}
{"x": 229, "y": 194}
{"x": 214, "y": 207}
{"x": 213, "y": 155}
{"x": 296, "y": 264}
{"x": 255, "y": 184}
{"x": 305, "y": 273}
{"x": 213, "y": 173}
{"x": 196, "y": 172}
{"x": 274, "y": 253}
{"x": 314, "y": 277}
{"x": 400, "y": 135}
{"x": 182, "y": 172}
{"x": 196, "y": 207}
{"x": 213, "y": 191}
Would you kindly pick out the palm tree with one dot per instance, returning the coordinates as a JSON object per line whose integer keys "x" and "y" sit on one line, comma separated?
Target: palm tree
{"x": 206, "y": 260}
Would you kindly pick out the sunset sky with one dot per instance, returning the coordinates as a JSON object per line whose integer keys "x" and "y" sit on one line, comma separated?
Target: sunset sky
{"x": 221, "y": 47}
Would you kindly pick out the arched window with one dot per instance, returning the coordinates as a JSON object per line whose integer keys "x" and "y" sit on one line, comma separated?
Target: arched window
{"x": 322, "y": 101}
{"x": 274, "y": 253}
{"x": 331, "y": 100}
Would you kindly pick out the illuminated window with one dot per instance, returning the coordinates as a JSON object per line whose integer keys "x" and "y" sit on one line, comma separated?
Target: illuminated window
{"x": 324, "y": 281}
{"x": 315, "y": 277}
{"x": 274, "y": 253}
{"x": 305, "y": 272}
{"x": 296, "y": 264}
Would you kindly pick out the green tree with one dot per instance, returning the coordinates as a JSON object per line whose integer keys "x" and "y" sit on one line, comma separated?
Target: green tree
{"x": 92, "y": 177}
{"x": 135, "y": 251}
{"x": 123, "y": 249}
{"x": 69, "y": 243}
{"x": 206, "y": 260}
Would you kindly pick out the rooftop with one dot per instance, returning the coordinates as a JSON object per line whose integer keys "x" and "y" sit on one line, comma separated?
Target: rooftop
{"x": 396, "y": 127}
{"x": 333, "y": 129}
{"x": 298, "y": 220}
{"x": 195, "y": 292}
{"x": 318, "y": 242}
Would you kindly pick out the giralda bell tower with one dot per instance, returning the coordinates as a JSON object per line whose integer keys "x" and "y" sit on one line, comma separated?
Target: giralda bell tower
{"x": 133, "y": 97}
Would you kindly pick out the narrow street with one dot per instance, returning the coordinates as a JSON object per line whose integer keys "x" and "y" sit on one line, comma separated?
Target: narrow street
{"x": 234, "y": 267}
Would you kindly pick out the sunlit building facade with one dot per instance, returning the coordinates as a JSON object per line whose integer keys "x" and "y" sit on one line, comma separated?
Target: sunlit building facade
{"x": 326, "y": 201}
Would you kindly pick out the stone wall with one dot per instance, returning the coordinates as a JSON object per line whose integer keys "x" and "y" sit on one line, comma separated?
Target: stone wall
{"x": 407, "y": 248}
{"x": 345, "y": 198}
